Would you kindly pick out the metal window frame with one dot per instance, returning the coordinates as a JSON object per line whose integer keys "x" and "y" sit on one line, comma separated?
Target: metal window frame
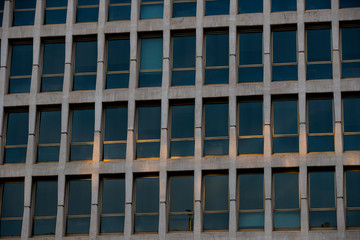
{"x": 347, "y": 25}
{"x": 244, "y": 31}
{"x": 354, "y": 169}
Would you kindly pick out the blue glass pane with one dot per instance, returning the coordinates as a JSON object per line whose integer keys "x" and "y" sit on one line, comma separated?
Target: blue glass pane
{"x": 349, "y": 37}
{"x": 15, "y": 155}
{"x": 217, "y": 7}
{"x": 353, "y": 218}
{"x": 285, "y": 116}
{"x": 79, "y": 199}
{"x": 146, "y": 223}
{"x": 184, "y": 51}
{"x": 147, "y": 195}
{"x": 87, "y": 2}
{"x": 12, "y": 200}
{"x": 250, "y": 48}
{"x": 24, "y": 18}
{"x": 52, "y": 84}
{"x": 113, "y": 196}
{"x": 87, "y": 14}
{"x": 84, "y": 82}
{"x": 151, "y": 53}
{"x": 349, "y": 3}
{"x": 149, "y": 119}
{"x": 351, "y": 142}
{"x": 50, "y": 127}
{"x": 351, "y": 117}
{"x": 216, "y": 76}
{"x": 112, "y": 224}
{"x": 286, "y": 220}
{"x": 317, "y": 4}
{"x": 86, "y": 57}
{"x": 322, "y": 219}
{"x": 21, "y": 60}
{"x": 81, "y": 152}
{"x": 284, "y": 46}
{"x": 318, "y": 44}
{"x": 117, "y": 13}
{"x": 44, "y": 226}
{"x": 119, "y": 1}
{"x": 181, "y": 222}
{"x": 182, "y": 148}
{"x": 216, "y": 120}
{"x": 320, "y": 115}
{"x": 54, "y": 58}
{"x": 19, "y": 85}
{"x": 48, "y": 154}
{"x": 183, "y": 78}
{"x": 55, "y": 16}
{"x": 251, "y": 191}
{"x": 78, "y": 225}
{"x": 251, "y": 146}
{"x": 350, "y": 70}
{"x": 1, "y": 6}
{"x": 318, "y": 71}
{"x": 1, "y": 17}
{"x": 150, "y": 79}
{"x": 46, "y": 198}
{"x": 120, "y": 80}
{"x": 17, "y": 128}
{"x": 217, "y": 50}
{"x": 322, "y": 190}
{"x": 151, "y": 11}
{"x": 250, "y": 118}
{"x": 216, "y": 221}
{"x": 250, "y": 74}
{"x": 148, "y": 150}
{"x": 283, "y": 5}
{"x": 286, "y": 190}
{"x": 216, "y": 147}
{"x": 320, "y": 143}
{"x": 181, "y": 194}
{"x": 182, "y": 121}
{"x": 82, "y": 126}
{"x": 284, "y": 73}
{"x": 251, "y": 220}
{"x": 253, "y": 6}
{"x": 118, "y": 55}
{"x": 115, "y": 151}
{"x": 116, "y": 123}
{"x": 184, "y": 9}
{"x": 25, "y": 4}
{"x": 10, "y": 228}
{"x": 56, "y": 3}
{"x": 352, "y": 188}
{"x": 285, "y": 144}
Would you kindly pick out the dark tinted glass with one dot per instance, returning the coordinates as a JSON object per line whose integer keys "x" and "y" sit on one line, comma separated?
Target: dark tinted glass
{"x": 322, "y": 219}
{"x": 285, "y": 144}
{"x": 184, "y": 51}
{"x": 10, "y": 228}
{"x": 351, "y": 117}
{"x": 352, "y": 218}
{"x": 146, "y": 223}
{"x": 284, "y": 220}
{"x": 147, "y": 195}
{"x": 283, "y": 5}
{"x": 250, "y": 48}
{"x": 250, "y": 118}
{"x": 50, "y": 127}
{"x": 48, "y": 153}
{"x": 251, "y": 220}
{"x": 285, "y": 117}
{"x": 17, "y": 128}
{"x": 216, "y": 120}
{"x": 286, "y": 190}
{"x": 318, "y": 45}
{"x": 250, "y": 145}
{"x": 183, "y": 77}
{"x": 184, "y": 9}
{"x": 54, "y": 58}
{"x": 182, "y": 121}
{"x": 151, "y": 53}
{"x": 86, "y": 57}
{"x": 321, "y": 143}
{"x": 83, "y": 125}
{"x": 150, "y": 11}
{"x": 349, "y": 38}
{"x": 89, "y": 13}
{"x": 44, "y": 226}
{"x": 349, "y": 3}
{"x": 148, "y": 150}
{"x": 21, "y": 65}
{"x": 216, "y": 192}
{"x": 113, "y": 196}
{"x": 217, "y": 7}
{"x": 215, "y": 221}
{"x": 121, "y": 12}
{"x": 118, "y": 55}
{"x": 25, "y": 4}
{"x": 182, "y": 148}
{"x": 56, "y": 3}
{"x": 284, "y": 46}
{"x": 217, "y": 76}
{"x": 250, "y": 74}
{"x": 251, "y": 191}
{"x": 79, "y": 199}
{"x": 320, "y": 116}
{"x": 181, "y": 194}
{"x": 12, "y": 200}
{"x": 46, "y": 199}
{"x": 23, "y": 18}
{"x": 253, "y": 6}
{"x": 216, "y": 147}
{"x": 149, "y": 119}
{"x": 112, "y": 224}
{"x": 318, "y": 71}
{"x": 78, "y": 225}
{"x": 284, "y": 73}
{"x": 352, "y": 188}
{"x": 317, "y": 4}
{"x": 217, "y": 50}
{"x": 322, "y": 190}
{"x": 115, "y": 124}
{"x": 81, "y": 152}
{"x": 56, "y": 15}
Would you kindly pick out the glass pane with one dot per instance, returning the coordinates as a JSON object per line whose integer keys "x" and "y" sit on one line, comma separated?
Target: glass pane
{"x": 44, "y": 226}
{"x": 216, "y": 119}
{"x": 113, "y": 196}
{"x": 251, "y": 191}
{"x": 285, "y": 117}
{"x": 184, "y": 9}
{"x": 250, "y": 74}
{"x": 349, "y": 3}
{"x": 56, "y": 3}
{"x": 320, "y": 116}
{"x": 86, "y": 57}
{"x": 349, "y": 37}
{"x": 322, "y": 192}
{"x": 217, "y": 7}
{"x": 182, "y": 194}
{"x": 54, "y": 58}
{"x": 283, "y": 5}
{"x": 151, "y": 53}
{"x": 78, "y": 225}
{"x": 87, "y": 2}
{"x": 284, "y": 73}
{"x": 217, "y": 50}
{"x": 285, "y": 144}
{"x": 23, "y": 18}
{"x": 182, "y": 148}
{"x": 112, "y": 224}
{"x": 1, "y": 7}
{"x": 120, "y": 80}
{"x": 250, "y": 118}
{"x": 216, "y": 221}
{"x": 84, "y": 82}
{"x": 25, "y": 4}
{"x": 250, "y": 48}
{"x": 149, "y": 122}
{"x": 184, "y": 51}
{"x": 351, "y": 117}
{"x": 216, "y": 192}
{"x": 182, "y": 78}
{"x": 251, "y": 146}
{"x": 181, "y": 222}
{"x": 21, "y": 60}
{"x": 15, "y": 155}
{"x": 17, "y": 128}
{"x": 146, "y": 223}
{"x": 322, "y": 219}
{"x": 251, "y": 220}
{"x": 216, "y": 147}
{"x": 182, "y": 121}
{"x": 318, "y": 71}
{"x": 317, "y": 4}
{"x": 150, "y": 11}
{"x": 19, "y": 85}
{"x": 79, "y": 199}
{"x": 10, "y": 228}
{"x": 55, "y": 16}
{"x": 87, "y": 14}
{"x": 81, "y": 152}
{"x": 253, "y": 6}
{"x": 116, "y": 123}
{"x": 12, "y": 200}
{"x": 286, "y": 190}
{"x": 82, "y": 125}
{"x": 217, "y": 76}
{"x": 50, "y": 127}
{"x": 118, "y": 55}
{"x": 318, "y": 44}
{"x": 119, "y": 13}
{"x": 46, "y": 201}
{"x": 147, "y": 195}
{"x": 148, "y": 150}
{"x": 351, "y": 142}
{"x": 352, "y": 188}
{"x": 350, "y": 70}
{"x": 320, "y": 143}
{"x": 48, "y": 154}
{"x": 353, "y": 218}
{"x": 115, "y": 151}
{"x": 286, "y": 220}
{"x": 51, "y": 84}
{"x": 150, "y": 79}
{"x": 284, "y": 46}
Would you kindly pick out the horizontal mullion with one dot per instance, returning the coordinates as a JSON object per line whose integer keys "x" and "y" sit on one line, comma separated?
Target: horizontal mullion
{"x": 147, "y": 214}
{"x": 285, "y": 64}
{"x": 214, "y": 212}
{"x": 251, "y": 210}
{"x": 251, "y": 65}
{"x": 287, "y": 210}
{"x": 116, "y": 141}
{"x": 117, "y": 72}
{"x": 84, "y": 73}
{"x": 56, "y": 8}
{"x": 181, "y": 139}
{"x": 10, "y": 218}
{"x": 18, "y": 77}
{"x": 147, "y": 140}
{"x": 82, "y": 143}
{"x": 25, "y": 10}
{"x": 184, "y": 69}
{"x": 322, "y": 209}
{"x": 119, "y": 4}
{"x": 151, "y": 3}
{"x": 49, "y": 145}
{"x": 44, "y": 217}
{"x": 216, "y": 138}
{"x": 112, "y": 215}
{"x": 250, "y": 136}
{"x": 183, "y": 1}
{"x": 285, "y": 135}
{"x": 53, "y": 75}
{"x": 352, "y": 208}
{"x": 319, "y": 62}
{"x": 151, "y": 70}
{"x": 88, "y": 6}
{"x": 351, "y": 133}
{"x": 181, "y": 213}
{"x": 216, "y": 67}
{"x": 15, "y": 146}
{"x": 320, "y": 134}
{"x": 350, "y": 61}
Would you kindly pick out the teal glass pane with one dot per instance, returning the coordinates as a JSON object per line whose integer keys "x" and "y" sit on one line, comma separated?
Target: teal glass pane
{"x": 46, "y": 201}
{"x": 12, "y": 200}
{"x": 284, "y": 73}
{"x": 9, "y": 228}
{"x": 250, "y": 74}
{"x": 113, "y": 196}
{"x": 23, "y": 18}
{"x": 184, "y": 51}
{"x": 115, "y": 151}
{"x": 52, "y": 84}
{"x": 216, "y": 119}
{"x": 48, "y": 154}
{"x": 251, "y": 191}
{"x": 87, "y": 14}
{"x": 183, "y": 78}
{"x": 250, "y": 48}
{"x": 318, "y": 71}
{"x": 216, "y": 147}
{"x": 320, "y": 143}
{"x": 285, "y": 144}
{"x": 118, "y": 55}
{"x": 150, "y": 79}
{"x": 79, "y": 199}
{"x": 147, "y": 195}
{"x": 56, "y": 3}
{"x": 117, "y": 13}
{"x": 350, "y": 70}
{"x": 283, "y": 220}
{"x": 116, "y": 123}
{"x": 82, "y": 125}
{"x": 349, "y": 3}
{"x": 352, "y": 142}
{"x": 285, "y": 116}
{"x": 217, "y": 50}
{"x": 322, "y": 190}
{"x": 86, "y": 57}
{"x": 182, "y": 148}
{"x": 146, "y": 223}
{"x": 352, "y": 188}
{"x": 322, "y": 219}
{"x": 182, "y": 121}
{"x": 181, "y": 194}
{"x": 286, "y": 190}
{"x": 352, "y": 218}
{"x": 17, "y": 128}
{"x": 284, "y": 46}
{"x": 317, "y": 4}
{"x": 25, "y": 4}
{"x": 251, "y": 146}
{"x": 54, "y": 58}
{"x": 318, "y": 44}
{"x": 44, "y": 226}
{"x": 84, "y": 82}
{"x": 251, "y": 220}
{"x": 50, "y": 127}
{"x": 54, "y": 16}
{"x": 78, "y": 225}
{"x": 217, "y": 76}
{"x": 216, "y": 192}
{"x": 119, "y": 80}
{"x": 217, "y": 7}
{"x": 112, "y": 224}
{"x": 15, "y": 155}
{"x": 87, "y": 2}
{"x": 283, "y": 5}
{"x": 181, "y": 222}
{"x": 255, "y": 6}
{"x": 351, "y": 117}
{"x": 184, "y": 9}
{"x": 21, "y": 60}
{"x": 148, "y": 150}
{"x": 349, "y": 38}
{"x": 81, "y": 152}
{"x": 250, "y": 118}
{"x": 215, "y": 221}
{"x": 19, "y": 85}
{"x": 151, "y": 50}
{"x": 149, "y": 122}
{"x": 150, "y": 11}
{"x": 320, "y": 115}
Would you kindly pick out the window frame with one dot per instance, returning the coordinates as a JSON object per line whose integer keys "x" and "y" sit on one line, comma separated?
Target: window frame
{"x": 153, "y": 2}
{"x": 85, "y": 7}
{"x": 346, "y": 170}
{"x": 343, "y": 121}
{"x": 181, "y": 1}
{"x": 117, "y": 5}
{"x": 342, "y": 61}
{"x": 53, "y": 8}
{"x": 23, "y": 10}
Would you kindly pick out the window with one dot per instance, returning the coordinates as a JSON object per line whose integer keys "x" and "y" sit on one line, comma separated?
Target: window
{"x": 251, "y": 200}
{"x": 87, "y": 11}
{"x": 183, "y": 63}
{"x": 146, "y": 204}
{"x": 217, "y": 58}
{"x": 319, "y": 65}
{"x": 55, "y": 11}
{"x": 16, "y": 137}
{"x": 216, "y": 132}
{"x": 352, "y": 198}
{"x": 217, "y": 7}
{"x": 82, "y": 134}
{"x": 118, "y": 63}
{"x": 184, "y": 8}
{"x": 251, "y": 137}
{"x": 284, "y": 56}
{"x": 322, "y": 199}
{"x": 351, "y": 116}
{"x": 215, "y": 202}
{"x": 250, "y": 57}
{"x": 24, "y": 12}
{"x": 285, "y": 126}
{"x": 115, "y": 133}
{"x": 53, "y": 66}
{"x": 45, "y": 207}
{"x": 151, "y": 9}
{"x": 283, "y": 5}
{"x": 49, "y": 135}
{"x": 255, "y": 6}
{"x": 350, "y": 52}
{"x": 148, "y": 132}
{"x": 21, "y": 68}
{"x": 321, "y": 126}
{"x": 286, "y": 200}
{"x": 151, "y": 58}
{"x": 78, "y": 209}
{"x": 85, "y": 65}
{"x": 182, "y": 141}
{"x": 12, "y": 208}
{"x": 119, "y": 10}
{"x": 317, "y": 4}
{"x": 181, "y": 203}
{"x": 2, "y": 3}
{"x": 112, "y": 206}
{"x": 349, "y": 3}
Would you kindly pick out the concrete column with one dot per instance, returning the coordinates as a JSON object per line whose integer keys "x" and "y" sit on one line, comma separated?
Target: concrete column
{"x": 94, "y": 219}
{"x": 198, "y": 204}
{"x": 302, "y": 124}
{"x": 268, "y": 227}
{"x": 304, "y": 212}
{"x": 61, "y": 216}
{"x": 163, "y": 204}
{"x": 340, "y": 204}
{"x": 128, "y": 225}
